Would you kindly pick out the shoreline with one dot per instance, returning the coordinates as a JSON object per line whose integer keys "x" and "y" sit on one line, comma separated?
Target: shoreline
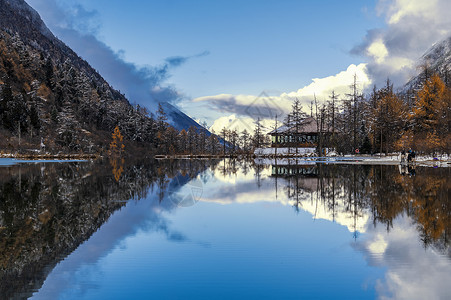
{"x": 428, "y": 161}
{"x": 49, "y": 156}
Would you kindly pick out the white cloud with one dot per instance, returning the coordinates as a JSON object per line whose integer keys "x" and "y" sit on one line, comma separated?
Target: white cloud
{"x": 397, "y": 10}
{"x": 323, "y": 87}
{"x": 378, "y": 51}
{"x": 240, "y": 124}
{"x": 413, "y": 26}
{"x": 245, "y": 109}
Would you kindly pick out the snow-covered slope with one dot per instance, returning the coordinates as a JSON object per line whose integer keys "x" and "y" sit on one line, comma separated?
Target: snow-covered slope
{"x": 439, "y": 56}
{"x": 180, "y": 120}
{"x": 437, "y": 59}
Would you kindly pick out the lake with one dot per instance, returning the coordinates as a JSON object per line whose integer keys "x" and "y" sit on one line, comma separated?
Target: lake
{"x": 225, "y": 229}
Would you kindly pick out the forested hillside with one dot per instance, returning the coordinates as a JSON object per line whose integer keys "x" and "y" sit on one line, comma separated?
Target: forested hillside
{"x": 52, "y": 100}
{"x": 49, "y": 95}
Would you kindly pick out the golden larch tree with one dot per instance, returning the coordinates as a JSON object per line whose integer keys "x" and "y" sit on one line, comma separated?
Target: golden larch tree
{"x": 117, "y": 145}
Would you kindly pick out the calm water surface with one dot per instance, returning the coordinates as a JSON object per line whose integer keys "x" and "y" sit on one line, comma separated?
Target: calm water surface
{"x": 223, "y": 230}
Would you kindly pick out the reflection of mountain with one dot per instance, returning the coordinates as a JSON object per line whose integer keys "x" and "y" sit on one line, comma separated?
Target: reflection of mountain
{"x": 48, "y": 210}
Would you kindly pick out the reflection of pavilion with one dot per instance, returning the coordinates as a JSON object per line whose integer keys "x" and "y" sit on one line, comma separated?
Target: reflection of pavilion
{"x": 295, "y": 170}
{"x": 321, "y": 191}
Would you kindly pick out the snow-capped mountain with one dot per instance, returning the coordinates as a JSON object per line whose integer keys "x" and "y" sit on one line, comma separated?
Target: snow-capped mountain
{"x": 437, "y": 59}
{"x": 180, "y": 120}
{"x": 439, "y": 56}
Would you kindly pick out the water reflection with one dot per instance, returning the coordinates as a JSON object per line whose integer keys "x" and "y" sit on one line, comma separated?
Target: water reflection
{"x": 396, "y": 219}
{"x": 351, "y": 195}
{"x": 380, "y": 193}
{"x": 48, "y": 210}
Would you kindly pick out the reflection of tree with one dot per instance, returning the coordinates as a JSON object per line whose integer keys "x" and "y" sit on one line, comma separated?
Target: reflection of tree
{"x": 431, "y": 208}
{"x": 168, "y": 170}
{"x": 43, "y": 219}
{"x": 117, "y": 148}
{"x": 354, "y": 190}
{"x": 258, "y": 174}
{"x": 162, "y": 183}
{"x": 231, "y": 166}
{"x": 387, "y": 195}
{"x": 118, "y": 167}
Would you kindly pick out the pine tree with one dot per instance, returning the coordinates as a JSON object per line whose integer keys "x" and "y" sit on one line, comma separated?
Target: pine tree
{"x": 297, "y": 116}
{"x": 7, "y": 99}
{"x": 245, "y": 141}
{"x": 34, "y": 117}
{"x": 258, "y": 138}
{"x": 233, "y": 138}
{"x": 162, "y": 125}
{"x": 183, "y": 141}
{"x": 388, "y": 118}
{"x": 162, "y": 119}
{"x": 224, "y": 134}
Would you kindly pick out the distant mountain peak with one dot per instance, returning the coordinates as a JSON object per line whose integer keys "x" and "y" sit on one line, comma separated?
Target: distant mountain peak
{"x": 439, "y": 55}
{"x": 179, "y": 120}
{"x": 437, "y": 59}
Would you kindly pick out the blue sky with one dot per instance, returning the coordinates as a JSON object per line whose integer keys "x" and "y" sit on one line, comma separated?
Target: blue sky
{"x": 253, "y": 45}
{"x": 213, "y": 58}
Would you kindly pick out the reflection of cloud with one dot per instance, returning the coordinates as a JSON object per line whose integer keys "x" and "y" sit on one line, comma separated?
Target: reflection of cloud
{"x": 413, "y": 272}
{"x": 241, "y": 189}
{"x": 238, "y": 177}
{"x": 341, "y": 215}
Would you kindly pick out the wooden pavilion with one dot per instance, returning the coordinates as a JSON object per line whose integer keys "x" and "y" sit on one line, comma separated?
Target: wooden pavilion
{"x": 304, "y": 135}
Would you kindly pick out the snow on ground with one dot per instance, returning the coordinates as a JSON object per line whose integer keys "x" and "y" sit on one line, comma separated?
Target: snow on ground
{"x": 284, "y": 151}
{"x": 308, "y": 156}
